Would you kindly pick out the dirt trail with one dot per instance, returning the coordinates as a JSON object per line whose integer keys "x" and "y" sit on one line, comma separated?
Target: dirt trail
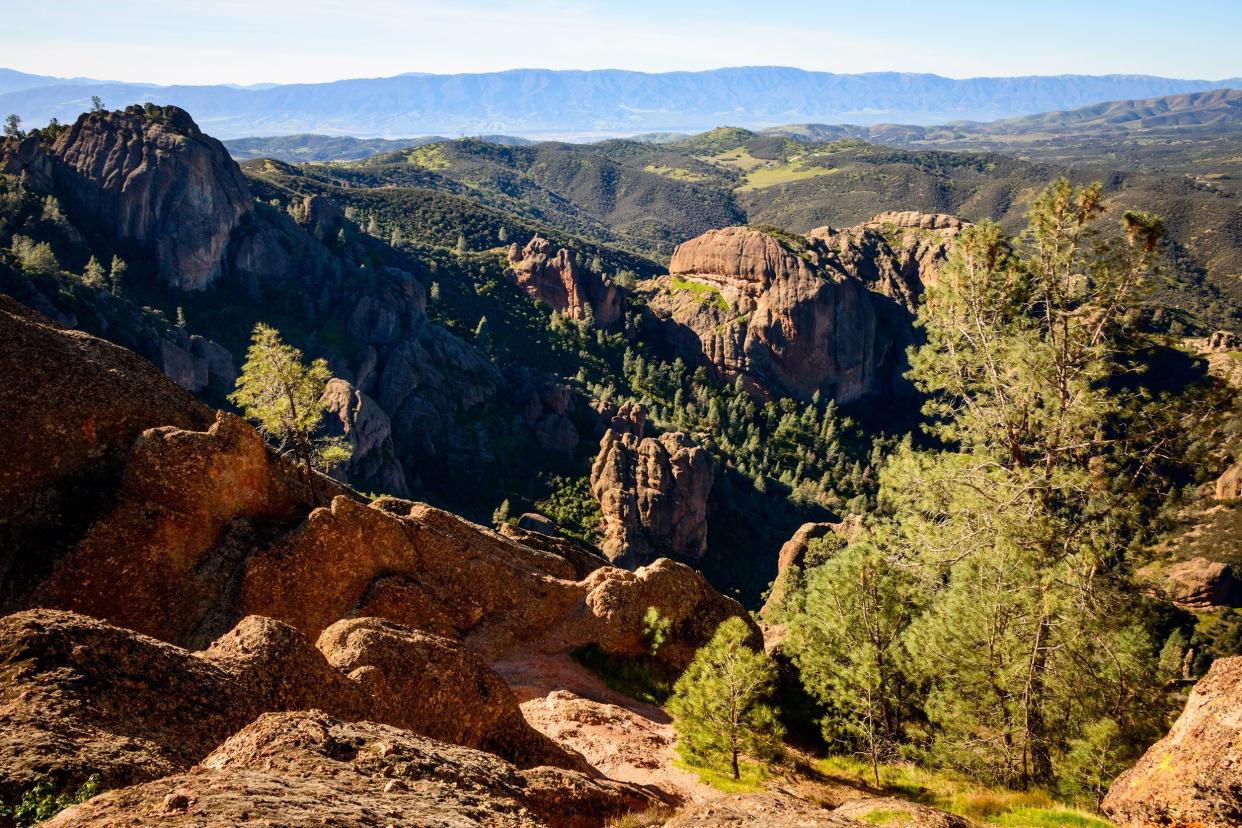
{"x": 623, "y": 738}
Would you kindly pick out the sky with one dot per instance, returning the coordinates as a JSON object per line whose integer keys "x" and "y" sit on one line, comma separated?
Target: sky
{"x": 307, "y": 41}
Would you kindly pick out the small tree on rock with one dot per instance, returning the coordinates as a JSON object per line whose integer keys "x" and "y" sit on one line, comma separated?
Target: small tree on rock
{"x": 285, "y": 397}
{"x": 718, "y": 703}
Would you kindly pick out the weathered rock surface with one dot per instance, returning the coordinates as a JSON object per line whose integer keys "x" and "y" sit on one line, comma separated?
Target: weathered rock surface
{"x": 793, "y": 553}
{"x": 827, "y": 312}
{"x": 566, "y": 287}
{"x": 75, "y": 405}
{"x": 1193, "y": 776}
{"x": 889, "y": 810}
{"x": 1203, "y": 584}
{"x": 310, "y": 769}
{"x": 653, "y": 493}
{"x": 1229, "y": 484}
{"x": 78, "y": 696}
{"x": 189, "y": 507}
{"x": 1222, "y": 341}
{"x": 434, "y": 687}
{"x": 152, "y": 178}
{"x": 765, "y": 810}
{"x": 373, "y": 464}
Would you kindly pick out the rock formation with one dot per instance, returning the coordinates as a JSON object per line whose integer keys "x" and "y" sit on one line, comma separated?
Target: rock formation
{"x": 793, "y": 553}
{"x": 653, "y": 495}
{"x": 152, "y": 178}
{"x": 1191, "y": 776}
{"x": 372, "y": 465}
{"x": 1229, "y": 484}
{"x": 1202, "y": 584}
{"x": 827, "y": 312}
{"x": 81, "y": 403}
{"x": 78, "y": 696}
{"x": 889, "y": 810}
{"x": 554, "y": 278}
{"x": 150, "y": 185}
{"x": 285, "y": 768}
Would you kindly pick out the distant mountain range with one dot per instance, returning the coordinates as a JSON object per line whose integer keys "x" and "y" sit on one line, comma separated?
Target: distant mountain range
{"x": 1219, "y": 110}
{"x": 545, "y": 102}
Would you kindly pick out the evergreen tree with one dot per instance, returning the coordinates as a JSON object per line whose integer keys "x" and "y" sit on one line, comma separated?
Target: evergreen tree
{"x": 93, "y": 275}
{"x": 718, "y": 705}
{"x": 285, "y": 397}
{"x": 1022, "y": 523}
{"x": 461, "y": 244}
{"x": 502, "y": 235}
{"x": 116, "y": 276}
{"x": 13, "y": 127}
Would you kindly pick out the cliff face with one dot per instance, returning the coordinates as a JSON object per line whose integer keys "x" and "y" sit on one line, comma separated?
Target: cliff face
{"x": 152, "y": 179}
{"x": 827, "y": 312}
{"x": 554, "y": 278}
{"x": 653, "y": 494}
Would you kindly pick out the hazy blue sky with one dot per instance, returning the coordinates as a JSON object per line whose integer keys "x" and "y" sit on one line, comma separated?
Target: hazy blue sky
{"x": 248, "y": 41}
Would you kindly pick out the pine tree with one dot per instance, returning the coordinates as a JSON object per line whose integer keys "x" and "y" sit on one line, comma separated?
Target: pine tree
{"x": 718, "y": 705}
{"x": 1023, "y": 523}
{"x": 116, "y": 276}
{"x": 501, "y": 515}
{"x": 285, "y": 397}
{"x": 502, "y": 235}
{"x": 93, "y": 275}
{"x": 461, "y": 244}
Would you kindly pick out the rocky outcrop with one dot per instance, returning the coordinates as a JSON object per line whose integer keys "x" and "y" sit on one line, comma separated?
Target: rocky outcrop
{"x": 1202, "y": 584}
{"x": 195, "y": 529}
{"x": 763, "y": 810}
{"x": 1222, "y": 341}
{"x": 549, "y": 411}
{"x": 653, "y": 494}
{"x": 372, "y": 465}
{"x": 889, "y": 810}
{"x": 793, "y": 553}
{"x": 432, "y": 686}
{"x": 310, "y": 769}
{"x": 152, "y": 179}
{"x": 1229, "y": 484}
{"x": 189, "y": 507}
{"x": 828, "y": 312}
{"x": 1190, "y": 777}
{"x": 75, "y": 405}
{"x": 553, "y": 278}
{"x": 78, "y": 696}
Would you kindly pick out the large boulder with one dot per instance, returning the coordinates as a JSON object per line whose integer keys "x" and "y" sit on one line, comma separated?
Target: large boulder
{"x": 78, "y": 696}
{"x": 893, "y": 811}
{"x": 310, "y": 769}
{"x": 653, "y": 493}
{"x": 1193, "y": 776}
{"x": 1203, "y": 584}
{"x": 827, "y": 312}
{"x": 189, "y": 505}
{"x": 434, "y": 687}
{"x": 1229, "y": 484}
{"x": 553, "y": 277}
{"x": 152, "y": 179}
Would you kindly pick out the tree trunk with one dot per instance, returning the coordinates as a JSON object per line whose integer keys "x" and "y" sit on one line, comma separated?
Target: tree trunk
{"x": 736, "y": 771}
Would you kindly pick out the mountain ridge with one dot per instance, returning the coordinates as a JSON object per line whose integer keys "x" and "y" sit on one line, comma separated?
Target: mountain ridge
{"x": 541, "y": 101}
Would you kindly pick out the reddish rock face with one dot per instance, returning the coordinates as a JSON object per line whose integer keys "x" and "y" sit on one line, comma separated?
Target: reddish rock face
{"x": 827, "y": 312}
{"x": 78, "y": 696}
{"x": 566, "y": 287}
{"x": 653, "y": 494}
{"x": 285, "y": 767}
{"x": 1190, "y": 777}
{"x": 153, "y": 178}
{"x": 793, "y": 553}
